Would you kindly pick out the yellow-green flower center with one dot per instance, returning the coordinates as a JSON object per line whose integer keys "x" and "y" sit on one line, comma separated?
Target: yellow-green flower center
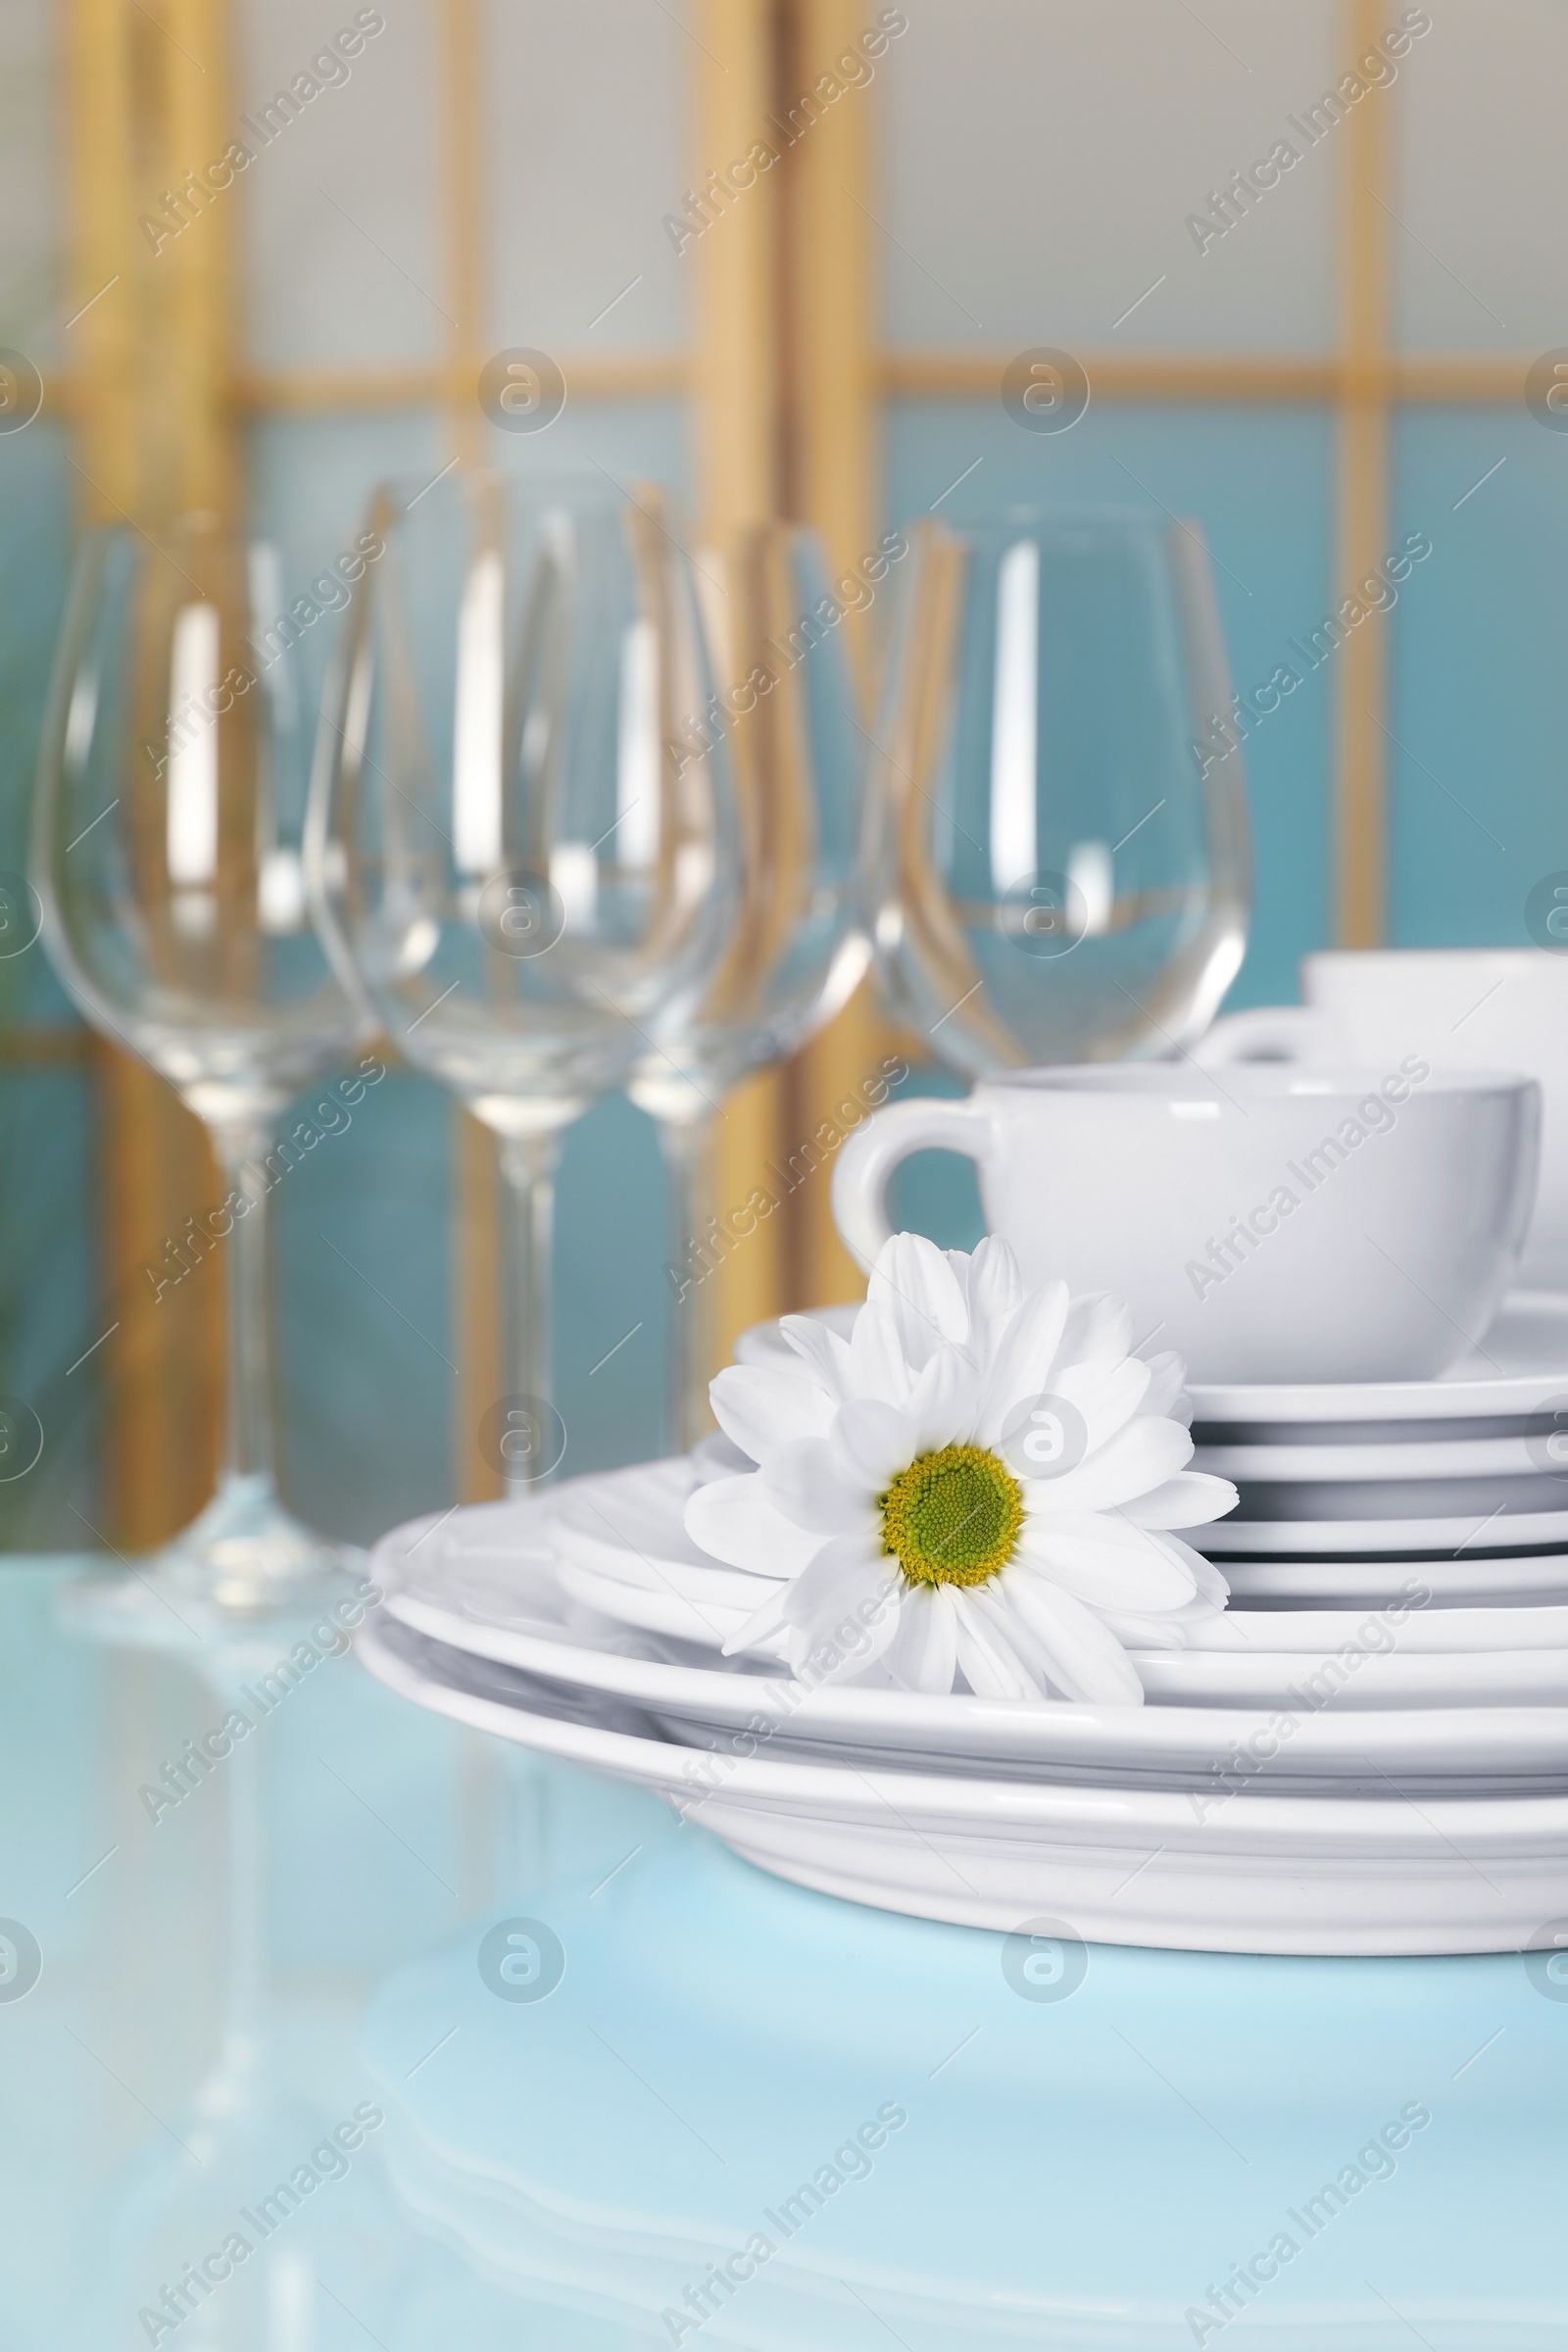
{"x": 952, "y": 1517}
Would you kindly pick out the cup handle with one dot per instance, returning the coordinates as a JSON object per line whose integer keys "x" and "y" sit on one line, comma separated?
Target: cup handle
{"x": 870, "y": 1155}
{"x": 1267, "y": 1033}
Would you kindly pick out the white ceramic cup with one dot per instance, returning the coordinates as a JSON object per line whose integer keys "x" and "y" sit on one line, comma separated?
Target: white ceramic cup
{"x": 1268, "y": 1223}
{"x": 1479, "y": 1009}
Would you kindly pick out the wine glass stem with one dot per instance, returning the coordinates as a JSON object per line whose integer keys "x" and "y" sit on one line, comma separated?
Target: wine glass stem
{"x": 248, "y": 1443}
{"x": 691, "y": 1271}
{"x": 528, "y": 1209}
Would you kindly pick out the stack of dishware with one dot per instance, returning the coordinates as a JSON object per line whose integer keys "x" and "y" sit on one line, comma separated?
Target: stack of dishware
{"x": 1380, "y": 1773}
{"x": 1349, "y": 1491}
{"x": 1367, "y": 1752}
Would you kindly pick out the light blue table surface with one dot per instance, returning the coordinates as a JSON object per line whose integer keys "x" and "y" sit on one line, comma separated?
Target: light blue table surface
{"x": 420, "y": 2148}
{"x": 385, "y": 1831}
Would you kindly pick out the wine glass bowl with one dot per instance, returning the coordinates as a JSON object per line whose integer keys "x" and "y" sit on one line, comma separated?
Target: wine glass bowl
{"x": 167, "y": 852}
{"x": 785, "y": 704}
{"x": 511, "y": 865}
{"x": 1057, "y": 860}
{"x": 512, "y": 855}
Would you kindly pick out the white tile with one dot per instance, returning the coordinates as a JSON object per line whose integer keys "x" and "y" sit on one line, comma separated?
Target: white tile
{"x": 1478, "y": 182}
{"x": 589, "y": 148}
{"x": 341, "y": 213}
{"x": 1042, "y": 159}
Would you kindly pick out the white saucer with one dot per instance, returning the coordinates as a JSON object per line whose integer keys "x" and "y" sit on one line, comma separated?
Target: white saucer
{"x": 1519, "y": 1371}
{"x": 1251, "y": 1874}
{"x": 1520, "y": 1368}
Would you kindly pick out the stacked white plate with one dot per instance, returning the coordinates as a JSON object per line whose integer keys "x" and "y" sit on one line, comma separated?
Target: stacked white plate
{"x": 1350, "y": 1492}
{"x": 1368, "y": 1754}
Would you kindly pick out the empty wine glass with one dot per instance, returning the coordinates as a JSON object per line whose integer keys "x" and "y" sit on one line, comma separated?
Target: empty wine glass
{"x": 167, "y": 855}
{"x": 1057, "y": 853}
{"x": 511, "y": 851}
{"x": 784, "y": 702}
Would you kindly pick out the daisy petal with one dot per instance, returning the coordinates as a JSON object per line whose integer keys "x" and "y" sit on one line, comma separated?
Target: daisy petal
{"x": 1106, "y": 1395}
{"x": 1108, "y": 1576}
{"x": 1023, "y": 1354}
{"x": 992, "y": 1286}
{"x": 761, "y": 1408}
{"x": 944, "y": 1401}
{"x": 986, "y": 1657}
{"x": 913, "y": 1283}
{"x": 736, "y": 1520}
{"x": 1173, "y": 1629}
{"x": 812, "y": 1485}
{"x": 1111, "y": 1529}
{"x": 715, "y": 1456}
{"x": 1086, "y": 1659}
{"x": 1211, "y": 1589}
{"x": 826, "y": 1353}
{"x": 1211, "y": 1585}
{"x": 1098, "y": 1330}
{"x": 1145, "y": 1633}
{"x": 877, "y": 1364}
{"x": 871, "y": 1443}
{"x": 924, "y": 1653}
{"x": 1140, "y": 1457}
{"x": 1167, "y": 1388}
{"x": 760, "y": 1624}
{"x": 845, "y": 1607}
{"x": 1189, "y": 1501}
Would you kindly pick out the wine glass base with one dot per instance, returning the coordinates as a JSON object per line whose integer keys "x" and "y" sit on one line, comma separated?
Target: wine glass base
{"x": 243, "y": 1562}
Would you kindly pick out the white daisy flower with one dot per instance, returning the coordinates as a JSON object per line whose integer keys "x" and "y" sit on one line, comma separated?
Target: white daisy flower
{"x": 979, "y": 1483}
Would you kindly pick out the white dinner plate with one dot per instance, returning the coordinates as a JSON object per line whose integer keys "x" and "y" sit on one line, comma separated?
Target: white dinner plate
{"x": 1389, "y": 1499}
{"x": 1434, "y": 1457}
{"x": 1356, "y": 1672}
{"x": 1497, "y": 1534}
{"x": 1112, "y": 1865}
{"x": 1328, "y": 1669}
{"x": 621, "y": 1551}
{"x": 1536, "y": 1581}
{"x": 1255, "y": 1659}
{"x": 623, "y": 1556}
{"x": 468, "y": 1593}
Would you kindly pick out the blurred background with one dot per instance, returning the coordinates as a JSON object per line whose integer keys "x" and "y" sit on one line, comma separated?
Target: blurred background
{"x": 1319, "y": 366}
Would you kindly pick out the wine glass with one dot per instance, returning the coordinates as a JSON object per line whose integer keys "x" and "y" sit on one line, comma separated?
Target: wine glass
{"x": 167, "y": 855}
{"x": 797, "y": 954}
{"x": 511, "y": 851}
{"x": 1057, "y": 860}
